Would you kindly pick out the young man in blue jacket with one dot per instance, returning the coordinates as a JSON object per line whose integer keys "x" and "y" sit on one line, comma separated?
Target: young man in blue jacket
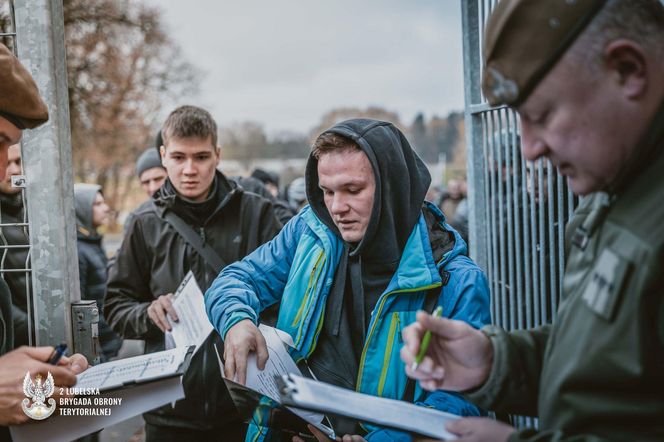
{"x": 352, "y": 269}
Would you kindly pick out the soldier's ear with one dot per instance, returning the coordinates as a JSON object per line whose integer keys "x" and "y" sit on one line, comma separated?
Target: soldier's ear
{"x": 627, "y": 61}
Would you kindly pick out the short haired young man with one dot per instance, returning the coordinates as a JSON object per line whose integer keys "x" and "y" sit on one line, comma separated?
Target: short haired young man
{"x": 587, "y": 79}
{"x": 351, "y": 268}
{"x": 154, "y": 258}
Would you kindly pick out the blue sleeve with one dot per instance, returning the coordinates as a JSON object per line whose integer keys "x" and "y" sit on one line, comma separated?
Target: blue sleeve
{"x": 245, "y": 288}
{"x": 465, "y": 298}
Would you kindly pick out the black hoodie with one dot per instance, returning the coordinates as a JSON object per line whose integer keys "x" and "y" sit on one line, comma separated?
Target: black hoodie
{"x": 366, "y": 268}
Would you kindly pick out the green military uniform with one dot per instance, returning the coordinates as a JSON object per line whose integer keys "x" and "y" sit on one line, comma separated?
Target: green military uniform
{"x": 598, "y": 372}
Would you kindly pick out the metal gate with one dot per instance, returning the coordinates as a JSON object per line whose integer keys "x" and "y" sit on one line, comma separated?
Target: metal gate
{"x": 35, "y": 31}
{"x": 518, "y": 209}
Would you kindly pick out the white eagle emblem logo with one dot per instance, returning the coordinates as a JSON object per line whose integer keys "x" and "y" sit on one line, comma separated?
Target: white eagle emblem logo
{"x": 38, "y": 392}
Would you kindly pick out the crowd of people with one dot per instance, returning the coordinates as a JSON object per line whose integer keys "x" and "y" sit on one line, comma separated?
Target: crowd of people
{"x": 353, "y": 259}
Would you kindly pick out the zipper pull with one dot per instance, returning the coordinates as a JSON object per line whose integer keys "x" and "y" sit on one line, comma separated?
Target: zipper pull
{"x": 400, "y": 338}
{"x": 201, "y": 232}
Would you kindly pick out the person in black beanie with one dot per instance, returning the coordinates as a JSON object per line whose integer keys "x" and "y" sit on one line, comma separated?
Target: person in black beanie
{"x": 150, "y": 172}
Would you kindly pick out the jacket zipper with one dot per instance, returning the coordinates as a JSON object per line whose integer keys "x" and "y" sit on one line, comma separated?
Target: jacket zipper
{"x": 388, "y": 352}
{"x": 378, "y": 311}
{"x": 307, "y": 294}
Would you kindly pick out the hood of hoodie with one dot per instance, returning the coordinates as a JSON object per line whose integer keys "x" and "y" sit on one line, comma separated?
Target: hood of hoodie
{"x": 84, "y": 198}
{"x": 402, "y": 180}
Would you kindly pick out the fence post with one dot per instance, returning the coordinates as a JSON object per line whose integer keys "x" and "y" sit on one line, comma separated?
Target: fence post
{"x": 471, "y": 75}
{"x": 47, "y": 162}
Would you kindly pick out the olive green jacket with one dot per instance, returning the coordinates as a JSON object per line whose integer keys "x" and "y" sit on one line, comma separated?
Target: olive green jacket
{"x": 597, "y": 373}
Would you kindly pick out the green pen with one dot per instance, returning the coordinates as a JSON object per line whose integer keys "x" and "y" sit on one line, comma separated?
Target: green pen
{"x": 424, "y": 346}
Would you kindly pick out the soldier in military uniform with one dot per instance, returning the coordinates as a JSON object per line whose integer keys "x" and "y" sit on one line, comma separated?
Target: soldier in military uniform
{"x": 21, "y": 108}
{"x": 587, "y": 78}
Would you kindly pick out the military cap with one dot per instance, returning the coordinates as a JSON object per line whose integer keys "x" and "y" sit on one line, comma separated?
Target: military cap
{"x": 20, "y": 102}
{"x": 524, "y": 39}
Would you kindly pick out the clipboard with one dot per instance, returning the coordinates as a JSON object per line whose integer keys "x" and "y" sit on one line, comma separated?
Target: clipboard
{"x": 314, "y": 395}
{"x": 139, "y": 386}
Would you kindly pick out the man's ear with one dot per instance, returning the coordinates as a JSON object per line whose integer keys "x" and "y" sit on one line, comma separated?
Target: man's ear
{"x": 217, "y": 150}
{"x": 162, "y": 152}
{"x": 628, "y": 61}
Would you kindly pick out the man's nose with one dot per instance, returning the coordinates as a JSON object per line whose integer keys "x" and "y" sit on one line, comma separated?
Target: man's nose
{"x": 532, "y": 145}
{"x": 339, "y": 204}
{"x": 189, "y": 168}
{"x": 3, "y": 162}
{"x": 13, "y": 169}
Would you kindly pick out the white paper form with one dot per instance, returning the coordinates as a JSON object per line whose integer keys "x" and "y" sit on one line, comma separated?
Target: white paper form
{"x": 279, "y": 363}
{"x": 320, "y": 396}
{"x": 132, "y": 370}
{"x": 193, "y": 325}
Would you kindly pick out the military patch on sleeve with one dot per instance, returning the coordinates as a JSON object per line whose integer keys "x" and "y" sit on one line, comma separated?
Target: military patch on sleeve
{"x": 602, "y": 292}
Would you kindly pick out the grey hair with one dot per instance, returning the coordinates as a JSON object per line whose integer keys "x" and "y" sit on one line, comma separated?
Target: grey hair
{"x": 641, "y": 21}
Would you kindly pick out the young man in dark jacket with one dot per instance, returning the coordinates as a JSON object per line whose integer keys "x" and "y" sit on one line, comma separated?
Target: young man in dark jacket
{"x": 92, "y": 213}
{"x": 154, "y": 258}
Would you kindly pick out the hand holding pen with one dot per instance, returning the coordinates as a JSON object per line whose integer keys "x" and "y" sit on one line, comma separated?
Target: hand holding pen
{"x": 455, "y": 356}
{"x": 15, "y": 364}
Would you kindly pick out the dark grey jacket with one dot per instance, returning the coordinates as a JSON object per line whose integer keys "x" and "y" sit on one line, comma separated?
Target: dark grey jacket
{"x": 153, "y": 260}
{"x": 12, "y": 212}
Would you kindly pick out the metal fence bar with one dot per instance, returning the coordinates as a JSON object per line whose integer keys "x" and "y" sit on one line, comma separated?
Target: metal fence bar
{"x": 48, "y": 164}
{"x": 518, "y": 210}
{"x": 477, "y": 214}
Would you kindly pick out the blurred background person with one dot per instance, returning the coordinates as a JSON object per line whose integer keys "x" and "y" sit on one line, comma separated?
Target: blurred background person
{"x": 12, "y": 211}
{"x": 451, "y": 197}
{"x": 269, "y": 179}
{"x": 149, "y": 170}
{"x": 297, "y": 195}
{"x": 91, "y": 214}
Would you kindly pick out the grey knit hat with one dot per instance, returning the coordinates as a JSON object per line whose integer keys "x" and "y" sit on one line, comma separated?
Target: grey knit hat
{"x": 149, "y": 158}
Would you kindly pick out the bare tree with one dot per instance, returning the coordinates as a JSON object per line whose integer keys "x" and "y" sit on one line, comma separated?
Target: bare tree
{"x": 122, "y": 68}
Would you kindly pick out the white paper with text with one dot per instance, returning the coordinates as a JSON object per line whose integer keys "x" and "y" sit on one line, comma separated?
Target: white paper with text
{"x": 193, "y": 325}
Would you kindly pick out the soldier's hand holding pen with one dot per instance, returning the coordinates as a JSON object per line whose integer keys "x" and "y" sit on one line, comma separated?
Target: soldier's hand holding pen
{"x": 458, "y": 358}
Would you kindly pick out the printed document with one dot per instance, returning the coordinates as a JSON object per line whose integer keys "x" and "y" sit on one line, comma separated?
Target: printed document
{"x": 138, "y": 369}
{"x": 193, "y": 325}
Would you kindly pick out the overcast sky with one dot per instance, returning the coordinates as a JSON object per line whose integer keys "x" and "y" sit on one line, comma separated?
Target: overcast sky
{"x": 285, "y": 63}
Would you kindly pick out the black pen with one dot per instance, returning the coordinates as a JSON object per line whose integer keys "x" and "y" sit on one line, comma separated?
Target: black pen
{"x": 58, "y": 352}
